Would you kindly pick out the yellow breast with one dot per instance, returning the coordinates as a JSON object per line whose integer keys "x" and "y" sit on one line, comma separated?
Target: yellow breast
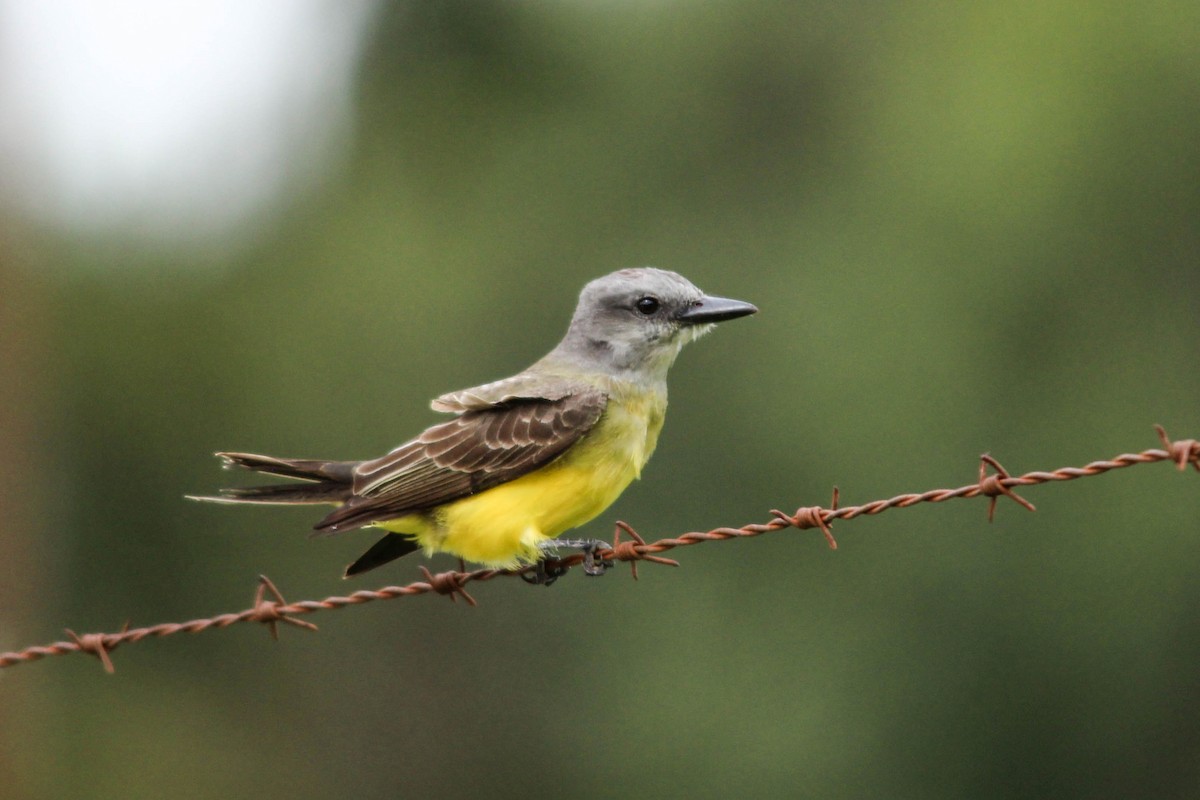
{"x": 504, "y": 525}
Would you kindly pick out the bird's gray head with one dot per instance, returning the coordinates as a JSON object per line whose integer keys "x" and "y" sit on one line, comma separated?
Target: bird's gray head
{"x": 633, "y": 322}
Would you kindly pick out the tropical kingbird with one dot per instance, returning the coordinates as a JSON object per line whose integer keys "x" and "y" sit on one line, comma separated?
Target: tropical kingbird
{"x": 525, "y": 458}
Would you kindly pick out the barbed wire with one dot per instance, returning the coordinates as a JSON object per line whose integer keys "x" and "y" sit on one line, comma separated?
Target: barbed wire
{"x": 270, "y": 608}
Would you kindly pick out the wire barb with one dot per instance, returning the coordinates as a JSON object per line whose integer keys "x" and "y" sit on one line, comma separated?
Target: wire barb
{"x": 812, "y": 517}
{"x": 992, "y": 486}
{"x": 1182, "y": 451}
{"x": 449, "y": 584}
{"x": 269, "y": 612}
{"x": 632, "y": 550}
{"x": 98, "y": 645}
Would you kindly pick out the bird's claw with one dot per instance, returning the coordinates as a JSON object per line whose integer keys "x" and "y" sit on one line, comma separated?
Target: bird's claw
{"x": 589, "y": 548}
{"x": 545, "y": 572}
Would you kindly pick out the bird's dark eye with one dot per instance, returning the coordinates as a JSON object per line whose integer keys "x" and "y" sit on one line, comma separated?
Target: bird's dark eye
{"x": 647, "y": 305}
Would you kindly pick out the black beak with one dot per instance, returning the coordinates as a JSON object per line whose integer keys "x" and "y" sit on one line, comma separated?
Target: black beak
{"x": 715, "y": 309}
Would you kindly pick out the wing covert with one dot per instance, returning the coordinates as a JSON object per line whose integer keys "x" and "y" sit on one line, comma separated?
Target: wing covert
{"x": 466, "y": 455}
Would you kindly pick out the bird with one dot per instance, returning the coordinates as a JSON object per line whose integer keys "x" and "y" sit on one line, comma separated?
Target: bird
{"x": 523, "y": 459}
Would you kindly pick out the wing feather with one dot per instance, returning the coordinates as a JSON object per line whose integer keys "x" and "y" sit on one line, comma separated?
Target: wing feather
{"x": 474, "y": 451}
{"x": 505, "y": 427}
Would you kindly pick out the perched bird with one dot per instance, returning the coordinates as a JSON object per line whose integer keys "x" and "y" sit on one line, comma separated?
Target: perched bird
{"x": 524, "y": 458}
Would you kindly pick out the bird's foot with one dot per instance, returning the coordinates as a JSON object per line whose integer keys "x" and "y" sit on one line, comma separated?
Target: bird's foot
{"x": 545, "y": 572}
{"x": 589, "y": 548}
{"x": 548, "y": 569}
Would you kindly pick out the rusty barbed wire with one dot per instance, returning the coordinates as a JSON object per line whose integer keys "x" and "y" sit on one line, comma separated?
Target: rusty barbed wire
{"x": 271, "y": 612}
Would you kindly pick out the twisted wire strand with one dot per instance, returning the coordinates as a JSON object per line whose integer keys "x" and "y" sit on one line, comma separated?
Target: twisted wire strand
{"x": 273, "y": 610}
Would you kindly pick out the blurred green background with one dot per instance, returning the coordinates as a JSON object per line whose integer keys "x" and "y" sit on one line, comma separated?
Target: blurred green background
{"x": 968, "y": 227}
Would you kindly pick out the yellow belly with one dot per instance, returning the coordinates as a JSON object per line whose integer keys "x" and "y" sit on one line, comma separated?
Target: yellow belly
{"x": 504, "y": 525}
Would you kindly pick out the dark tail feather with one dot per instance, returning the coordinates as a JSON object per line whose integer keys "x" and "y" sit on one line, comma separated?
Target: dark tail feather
{"x": 325, "y": 481}
{"x": 286, "y": 494}
{"x": 305, "y": 469}
{"x": 389, "y": 548}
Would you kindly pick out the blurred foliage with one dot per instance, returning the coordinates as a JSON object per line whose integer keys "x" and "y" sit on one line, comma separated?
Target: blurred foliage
{"x": 969, "y": 227}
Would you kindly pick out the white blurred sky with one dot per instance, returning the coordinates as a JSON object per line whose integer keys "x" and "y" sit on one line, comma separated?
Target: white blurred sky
{"x": 171, "y": 119}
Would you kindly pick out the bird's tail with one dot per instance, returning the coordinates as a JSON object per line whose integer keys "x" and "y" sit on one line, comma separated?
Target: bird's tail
{"x": 323, "y": 481}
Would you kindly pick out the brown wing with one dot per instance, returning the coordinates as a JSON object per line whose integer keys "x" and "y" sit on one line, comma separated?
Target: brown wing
{"x": 475, "y": 451}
